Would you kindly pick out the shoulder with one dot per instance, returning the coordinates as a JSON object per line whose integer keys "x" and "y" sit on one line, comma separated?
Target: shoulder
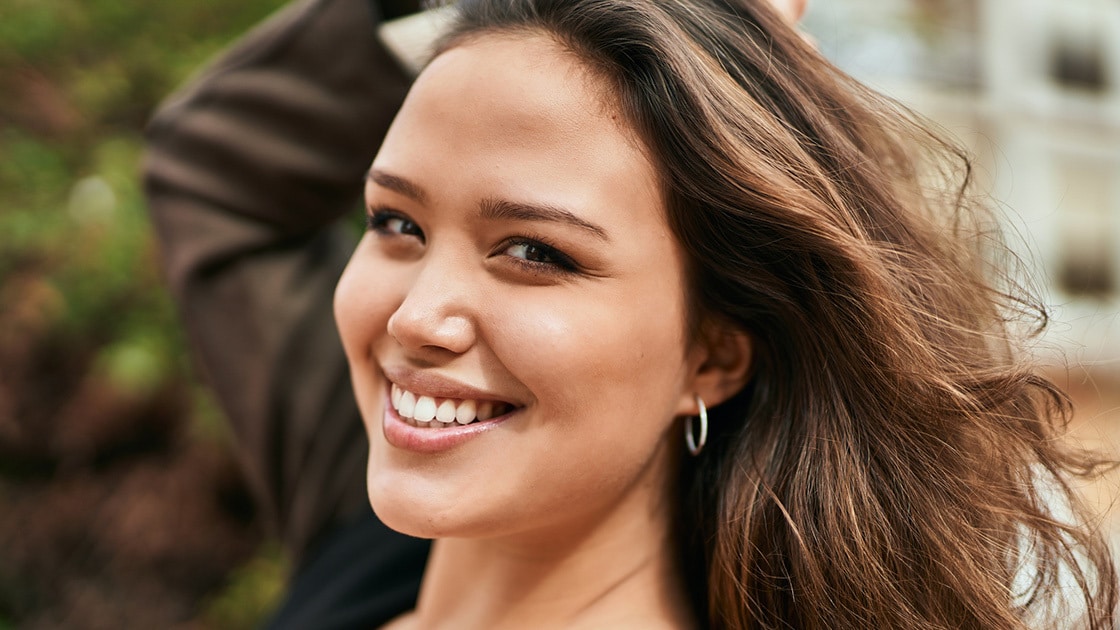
{"x": 635, "y": 621}
{"x": 406, "y": 621}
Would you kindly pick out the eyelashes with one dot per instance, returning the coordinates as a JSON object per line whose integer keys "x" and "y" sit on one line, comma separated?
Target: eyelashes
{"x": 536, "y": 253}
{"x": 530, "y": 252}
{"x": 392, "y": 223}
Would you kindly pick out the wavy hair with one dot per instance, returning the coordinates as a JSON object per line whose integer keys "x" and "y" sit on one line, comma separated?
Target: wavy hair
{"x": 892, "y": 462}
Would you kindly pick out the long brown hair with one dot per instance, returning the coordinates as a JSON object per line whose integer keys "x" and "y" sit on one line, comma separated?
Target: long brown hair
{"x": 892, "y": 462}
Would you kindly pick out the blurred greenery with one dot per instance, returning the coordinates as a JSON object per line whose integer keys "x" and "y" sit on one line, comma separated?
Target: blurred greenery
{"x": 251, "y": 592}
{"x": 79, "y": 79}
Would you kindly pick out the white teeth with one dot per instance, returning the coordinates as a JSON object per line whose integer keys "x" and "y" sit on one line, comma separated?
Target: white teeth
{"x": 407, "y": 404}
{"x": 425, "y": 409}
{"x": 465, "y": 412}
{"x": 445, "y": 413}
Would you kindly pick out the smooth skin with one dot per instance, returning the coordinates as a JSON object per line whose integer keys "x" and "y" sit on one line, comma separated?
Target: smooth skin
{"x": 574, "y": 314}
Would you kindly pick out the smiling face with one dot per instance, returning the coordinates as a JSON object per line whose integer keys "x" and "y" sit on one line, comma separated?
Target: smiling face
{"x": 515, "y": 318}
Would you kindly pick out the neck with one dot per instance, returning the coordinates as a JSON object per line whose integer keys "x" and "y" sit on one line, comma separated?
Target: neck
{"x": 592, "y": 572}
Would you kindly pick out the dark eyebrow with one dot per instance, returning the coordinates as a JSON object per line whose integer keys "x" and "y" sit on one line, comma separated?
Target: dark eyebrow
{"x": 397, "y": 184}
{"x": 521, "y": 211}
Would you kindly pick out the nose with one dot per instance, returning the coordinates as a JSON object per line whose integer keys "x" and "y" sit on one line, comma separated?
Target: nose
{"x": 434, "y": 319}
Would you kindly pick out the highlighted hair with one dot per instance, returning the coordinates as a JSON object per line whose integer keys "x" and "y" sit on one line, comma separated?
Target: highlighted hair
{"x": 892, "y": 462}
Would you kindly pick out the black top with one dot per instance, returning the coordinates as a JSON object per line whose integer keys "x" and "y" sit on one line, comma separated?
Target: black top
{"x": 362, "y": 576}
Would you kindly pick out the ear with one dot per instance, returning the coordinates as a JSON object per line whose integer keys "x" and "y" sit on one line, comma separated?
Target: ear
{"x": 719, "y": 366}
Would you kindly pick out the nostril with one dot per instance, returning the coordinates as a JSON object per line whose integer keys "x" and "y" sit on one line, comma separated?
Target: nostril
{"x": 431, "y": 330}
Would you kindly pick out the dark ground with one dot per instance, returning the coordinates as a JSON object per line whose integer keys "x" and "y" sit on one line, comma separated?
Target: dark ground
{"x": 114, "y": 511}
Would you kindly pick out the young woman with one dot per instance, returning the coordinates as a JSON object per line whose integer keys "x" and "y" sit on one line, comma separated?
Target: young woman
{"x": 656, "y": 324}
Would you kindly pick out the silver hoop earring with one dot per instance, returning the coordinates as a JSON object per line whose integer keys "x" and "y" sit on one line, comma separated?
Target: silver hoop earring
{"x": 695, "y": 446}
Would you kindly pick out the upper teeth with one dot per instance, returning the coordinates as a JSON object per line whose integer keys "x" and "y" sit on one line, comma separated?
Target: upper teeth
{"x": 427, "y": 409}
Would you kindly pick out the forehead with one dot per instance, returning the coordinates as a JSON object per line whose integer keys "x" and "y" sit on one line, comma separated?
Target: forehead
{"x": 529, "y": 72}
{"x": 518, "y": 105}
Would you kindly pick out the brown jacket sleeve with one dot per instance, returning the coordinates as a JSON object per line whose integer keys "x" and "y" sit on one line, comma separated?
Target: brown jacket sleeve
{"x": 247, "y": 171}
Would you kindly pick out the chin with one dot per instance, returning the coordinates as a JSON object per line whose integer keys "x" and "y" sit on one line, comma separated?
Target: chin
{"x": 410, "y": 503}
{"x": 404, "y": 519}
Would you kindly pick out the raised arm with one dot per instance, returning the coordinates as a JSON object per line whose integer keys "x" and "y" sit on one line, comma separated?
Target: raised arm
{"x": 249, "y": 168}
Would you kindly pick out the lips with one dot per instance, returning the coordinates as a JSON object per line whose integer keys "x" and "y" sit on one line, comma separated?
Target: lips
{"x": 425, "y": 411}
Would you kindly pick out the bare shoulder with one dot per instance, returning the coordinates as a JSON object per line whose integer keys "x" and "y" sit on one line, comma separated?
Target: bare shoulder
{"x": 636, "y": 622}
{"x": 406, "y": 621}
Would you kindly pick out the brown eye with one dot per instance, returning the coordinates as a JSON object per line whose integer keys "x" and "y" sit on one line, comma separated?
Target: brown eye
{"x": 531, "y": 252}
{"x": 392, "y": 223}
{"x": 538, "y": 257}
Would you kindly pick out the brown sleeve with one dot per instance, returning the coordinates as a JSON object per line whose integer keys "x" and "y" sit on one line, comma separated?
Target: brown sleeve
{"x": 247, "y": 171}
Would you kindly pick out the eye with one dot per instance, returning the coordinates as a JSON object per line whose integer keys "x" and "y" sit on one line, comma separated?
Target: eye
{"x": 392, "y": 223}
{"x": 538, "y": 257}
{"x": 532, "y": 252}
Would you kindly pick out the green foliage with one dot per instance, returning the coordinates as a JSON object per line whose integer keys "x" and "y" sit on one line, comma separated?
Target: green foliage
{"x": 79, "y": 79}
{"x": 209, "y": 423}
{"x": 251, "y": 592}
{"x": 115, "y": 59}
{"x": 85, "y": 75}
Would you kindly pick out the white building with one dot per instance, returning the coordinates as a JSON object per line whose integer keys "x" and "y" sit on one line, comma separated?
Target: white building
{"x": 1033, "y": 87}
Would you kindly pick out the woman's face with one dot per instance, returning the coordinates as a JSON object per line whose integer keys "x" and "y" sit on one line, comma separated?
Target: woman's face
{"x": 518, "y": 263}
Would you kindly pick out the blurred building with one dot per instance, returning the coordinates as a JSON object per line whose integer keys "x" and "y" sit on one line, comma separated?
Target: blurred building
{"x": 1033, "y": 88}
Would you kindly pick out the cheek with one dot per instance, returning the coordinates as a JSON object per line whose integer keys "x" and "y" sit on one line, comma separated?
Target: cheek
{"x": 605, "y": 375}
{"x": 596, "y": 353}
{"x": 362, "y": 306}
{"x": 349, "y": 309}
{"x": 363, "y": 303}
{"x": 356, "y": 316}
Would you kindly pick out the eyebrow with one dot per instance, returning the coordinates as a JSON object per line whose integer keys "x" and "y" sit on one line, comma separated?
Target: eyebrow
{"x": 491, "y": 208}
{"x": 397, "y": 184}
{"x": 522, "y": 211}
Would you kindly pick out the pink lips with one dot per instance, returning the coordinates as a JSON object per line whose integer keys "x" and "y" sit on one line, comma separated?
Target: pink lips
{"x": 424, "y": 440}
